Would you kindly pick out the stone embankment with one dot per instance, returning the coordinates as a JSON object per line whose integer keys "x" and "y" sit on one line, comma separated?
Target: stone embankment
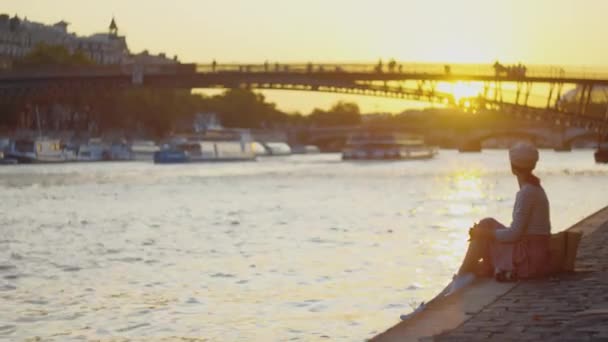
{"x": 567, "y": 307}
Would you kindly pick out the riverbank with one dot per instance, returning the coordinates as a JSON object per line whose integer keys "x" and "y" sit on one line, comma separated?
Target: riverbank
{"x": 569, "y": 306}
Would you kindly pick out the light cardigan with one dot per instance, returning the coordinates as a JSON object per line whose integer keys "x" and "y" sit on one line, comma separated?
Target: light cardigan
{"x": 530, "y": 215}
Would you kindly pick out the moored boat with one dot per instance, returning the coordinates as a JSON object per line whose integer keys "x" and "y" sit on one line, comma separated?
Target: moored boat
{"x": 259, "y": 149}
{"x": 37, "y": 150}
{"x": 305, "y": 149}
{"x": 144, "y": 150}
{"x": 119, "y": 151}
{"x": 371, "y": 145}
{"x": 4, "y": 145}
{"x": 601, "y": 155}
{"x": 277, "y": 148}
{"x": 94, "y": 150}
{"x": 211, "y": 146}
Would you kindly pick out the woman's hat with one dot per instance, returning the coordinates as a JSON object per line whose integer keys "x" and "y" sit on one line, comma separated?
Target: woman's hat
{"x": 523, "y": 155}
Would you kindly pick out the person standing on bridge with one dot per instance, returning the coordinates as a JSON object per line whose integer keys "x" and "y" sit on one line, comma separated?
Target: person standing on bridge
{"x": 213, "y": 65}
{"x": 379, "y": 66}
{"x": 520, "y": 251}
{"x": 391, "y": 65}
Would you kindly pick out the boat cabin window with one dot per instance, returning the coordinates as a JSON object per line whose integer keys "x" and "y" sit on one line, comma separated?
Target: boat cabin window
{"x": 24, "y": 146}
{"x": 191, "y": 148}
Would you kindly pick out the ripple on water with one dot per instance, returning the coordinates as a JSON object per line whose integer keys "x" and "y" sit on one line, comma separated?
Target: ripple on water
{"x": 222, "y": 275}
{"x": 318, "y": 308}
{"x": 14, "y": 276}
{"x": 128, "y": 259}
{"x": 7, "y": 267}
{"x": 192, "y": 300}
{"x": 7, "y": 287}
{"x": 414, "y": 287}
{"x": 7, "y": 329}
{"x": 133, "y": 327}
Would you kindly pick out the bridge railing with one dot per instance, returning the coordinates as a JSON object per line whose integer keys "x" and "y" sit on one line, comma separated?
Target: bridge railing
{"x": 544, "y": 71}
{"x": 482, "y": 70}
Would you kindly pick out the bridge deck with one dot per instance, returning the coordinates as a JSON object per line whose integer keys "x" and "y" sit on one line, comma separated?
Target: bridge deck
{"x": 360, "y": 72}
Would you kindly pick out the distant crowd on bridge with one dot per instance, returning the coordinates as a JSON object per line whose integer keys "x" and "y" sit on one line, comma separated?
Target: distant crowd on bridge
{"x": 391, "y": 67}
{"x": 513, "y": 71}
{"x": 517, "y": 71}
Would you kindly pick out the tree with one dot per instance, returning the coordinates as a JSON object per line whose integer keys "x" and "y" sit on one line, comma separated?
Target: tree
{"x": 340, "y": 114}
{"x": 244, "y": 108}
{"x": 52, "y": 55}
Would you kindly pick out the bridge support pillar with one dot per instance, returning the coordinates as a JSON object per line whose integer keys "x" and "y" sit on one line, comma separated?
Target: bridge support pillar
{"x": 587, "y": 100}
{"x": 498, "y": 91}
{"x": 560, "y": 87}
{"x": 517, "y": 92}
{"x": 551, "y": 89}
{"x": 528, "y": 90}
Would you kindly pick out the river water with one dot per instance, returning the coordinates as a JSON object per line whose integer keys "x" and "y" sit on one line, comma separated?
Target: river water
{"x": 294, "y": 248}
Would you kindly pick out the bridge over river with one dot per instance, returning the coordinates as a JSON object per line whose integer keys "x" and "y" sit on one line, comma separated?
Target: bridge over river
{"x": 554, "y": 96}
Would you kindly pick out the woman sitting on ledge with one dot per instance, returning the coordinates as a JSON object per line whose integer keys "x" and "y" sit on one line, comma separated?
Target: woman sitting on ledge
{"x": 520, "y": 251}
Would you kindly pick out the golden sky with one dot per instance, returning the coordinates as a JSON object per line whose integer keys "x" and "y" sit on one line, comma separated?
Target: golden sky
{"x": 557, "y": 32}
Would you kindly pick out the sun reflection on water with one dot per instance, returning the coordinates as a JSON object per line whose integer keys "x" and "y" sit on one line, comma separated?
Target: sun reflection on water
{"x": 462, "y": 202}
{"x": 465, "y": 185}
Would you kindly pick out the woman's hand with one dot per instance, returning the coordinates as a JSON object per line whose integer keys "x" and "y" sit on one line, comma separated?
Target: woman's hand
{"x": 479, "y": 231}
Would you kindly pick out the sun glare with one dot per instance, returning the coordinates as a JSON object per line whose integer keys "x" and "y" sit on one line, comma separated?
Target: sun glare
{"x": 461, "y": 90}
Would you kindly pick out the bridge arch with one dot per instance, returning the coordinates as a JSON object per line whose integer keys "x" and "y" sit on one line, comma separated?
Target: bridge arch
{"x": 586, "y": 135}
{"x": 475, "y": 142}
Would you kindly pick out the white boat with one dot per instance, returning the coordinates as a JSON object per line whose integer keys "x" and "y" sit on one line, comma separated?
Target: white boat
{"x": 305, "y": 149}
{"x": 94, "y": 150}
{"x": 4, "y": 145}
{"x": 371, "y": 145}
{"x": 144, "y": 149}
{"x": 277, "y": 148}
{"x": 38, "y": 150}
{"x": 220, "y": 145}
{"x": 120, "y": 151}
{"x": 258, "y": 149}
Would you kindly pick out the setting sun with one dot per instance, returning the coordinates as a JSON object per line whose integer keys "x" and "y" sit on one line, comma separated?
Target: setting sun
{"x": 461, "y": 90}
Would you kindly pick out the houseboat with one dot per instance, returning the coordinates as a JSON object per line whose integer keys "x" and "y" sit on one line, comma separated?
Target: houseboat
{"x": 119, "y": 151}
{"x": 94, "y": 150}
{"x": 259, "y": 149}
{"x": 4, "y": 145}
{"x": 144, "y": 150}
{"x": 277, "y": 148}
{"x": 210, "y": 146}
{"x": 305, "y": 149}
{"x": 37, "y": 150}
{"x": 371, "y": 145}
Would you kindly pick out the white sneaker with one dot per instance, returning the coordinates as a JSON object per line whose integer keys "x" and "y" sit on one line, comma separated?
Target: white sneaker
{"x": 411, "y": 314}
{"x": 460, "y": 281}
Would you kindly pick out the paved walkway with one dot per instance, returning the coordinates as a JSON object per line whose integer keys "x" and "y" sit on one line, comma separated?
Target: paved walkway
{"x": 569, "y": 307}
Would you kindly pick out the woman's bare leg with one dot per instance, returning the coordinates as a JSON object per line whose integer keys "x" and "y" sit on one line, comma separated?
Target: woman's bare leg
{"x": 478, "y": 249}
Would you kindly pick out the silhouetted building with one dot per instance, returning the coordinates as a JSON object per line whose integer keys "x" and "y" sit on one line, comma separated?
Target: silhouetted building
{"x": 146, "y": 58}
{"x": 18, "y": 37}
